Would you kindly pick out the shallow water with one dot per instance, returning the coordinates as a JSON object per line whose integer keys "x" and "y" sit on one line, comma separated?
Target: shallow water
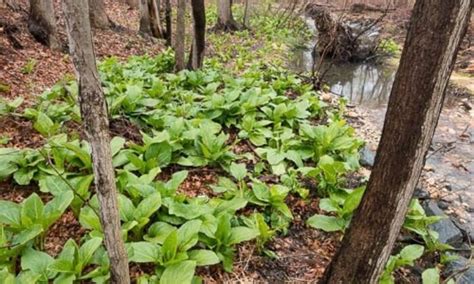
{"x": 368, "y": 86}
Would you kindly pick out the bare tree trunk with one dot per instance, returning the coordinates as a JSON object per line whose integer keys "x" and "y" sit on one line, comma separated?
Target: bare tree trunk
{"x": 225, "y": 19}
{"x": 414, "y": 107}
{"x": 180, "y": 35}
{"x": 94, "y": 116}
{"x": 132, "y": 3}
{"x": 169, "y": 28}
{"x": 97, "y": 14}
{"x": 42, "y": 23}
{"x": 245, "y": 19}
{"x": 196, "y": 56}
{"x": 150, "y": 23}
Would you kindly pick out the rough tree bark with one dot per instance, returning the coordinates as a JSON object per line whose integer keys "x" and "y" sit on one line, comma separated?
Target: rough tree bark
{"x": 97, "y": 14}
{"x": 150, "y": 23}
{"x": 42, "y": 23}
{"x": 196, "y": 56}
{"x": 94, "y": 116}
{"x": 180, "y": 35}
{"x": 168, "y": 21}
{"x": 225, "y": 19}
{"x": 436, "y": 30}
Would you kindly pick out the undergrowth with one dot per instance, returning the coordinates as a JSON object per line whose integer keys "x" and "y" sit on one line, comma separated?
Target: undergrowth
{"x": 242, "y": 116}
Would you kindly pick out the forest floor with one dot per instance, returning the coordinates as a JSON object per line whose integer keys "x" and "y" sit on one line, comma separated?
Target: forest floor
{"x": 303, "y": 253}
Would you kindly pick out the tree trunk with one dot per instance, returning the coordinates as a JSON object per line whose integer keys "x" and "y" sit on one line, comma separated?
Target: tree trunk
{"x": 196, "y": 56}
{"x": 42, "y": 23}
{"x": 180, "y": 35}
{"x": 134, "y": 4}
{"x": 94, "y": 116}
{"x": 169, "y": 28}
{"x": 245, "y": 19}
{"x": 97, "y": 14}
{"x": 225, "y": 19}
{"x": 436, "y": 30}
{"x": 150, "y": 23}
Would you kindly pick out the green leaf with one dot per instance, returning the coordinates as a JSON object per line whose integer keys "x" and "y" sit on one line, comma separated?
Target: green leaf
{"x": 231, "y": 206}
{"x": 10, "y": 213}
{"x": 170, "y": 246}
{"x": 238, "y": 171}
{"x": 430, "y": 276}
{"x": 162, "y": 152}
{"x": 37, "y": 262}
{"x": 126, "y": 208}
{"x": 181, "y": 273}
{"x": 158, "y": 232}
{"x": 353, "y": 200}
{"x": 326, "y": 223}
{"x": 412, "y": 252}
{"x": 44, "y": 124}
{"x": 116, "y": 144}
{"x": 87, "y": 250}
{"x": 188, "y": 234}
{"x": 89, "y": 219}
{"x": 148, "y": 206}
{"x": 143, "y": 252}
{"x": 27, "y": 235}
{"x": 56, "y": 207}
{"x": 32, "y": 210}
{"x": 24, "y": 176}
{"x": 203, "y": 257}
{"x": 242, "y": 234}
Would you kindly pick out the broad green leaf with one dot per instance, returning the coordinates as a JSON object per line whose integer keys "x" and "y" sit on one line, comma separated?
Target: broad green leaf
{"x": 24, "y": 176}
{"x": 188, "y": 234}
{"x": 353, "y": 200}
{"x": 412, "y": 252}
{"x": 116, "y": 144}
{"x": 87, "y": 250}
{"x": 203, "y": 257}
{"x": 56, "y": 207}
{"x": 158, "y": 232}
{"x": 44, "y": 124}
{"x": 430, "y": 276}
{"x": 143, "y": 252}
{"x": 148, "y": 206}
{"x": 238, "y": 171}
{"x": 326, "y": 223}
{"x": 181, "y": 273}
{"x": 170, "y": 246}
{"x": 27, "y": 235}
{"x": 10, "y": 213}
{"x": 31, "y": 210}
{"x": 37, "y": 262}
{"x": 126, "y": 208}
{"x": 242, "y": 234}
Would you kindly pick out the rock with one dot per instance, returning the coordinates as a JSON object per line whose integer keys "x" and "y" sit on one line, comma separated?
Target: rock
{"x": 448, "y": 232}
{"x": 460, "y": 264}
{"x": 367, "y": 157}
{"x": 421, "y": 193}
{"x": 443, "y": 204}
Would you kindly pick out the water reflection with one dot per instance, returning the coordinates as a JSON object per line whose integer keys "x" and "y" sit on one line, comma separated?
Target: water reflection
{"x": 362, "y": 84}
{"x": 365, "y": 84}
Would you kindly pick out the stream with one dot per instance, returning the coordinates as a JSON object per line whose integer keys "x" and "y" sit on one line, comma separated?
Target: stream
{"x": 449, "y": 169}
